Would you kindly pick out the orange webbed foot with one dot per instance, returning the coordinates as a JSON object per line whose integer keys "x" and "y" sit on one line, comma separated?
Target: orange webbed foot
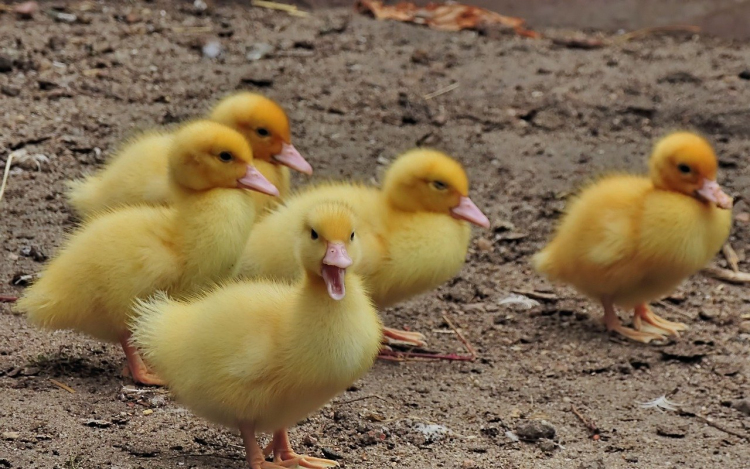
{"x": 396, "y": 336}
{"x": 284, "y": 456}
{"x": 613, "y": 324}
{"x": 643, "y": 314}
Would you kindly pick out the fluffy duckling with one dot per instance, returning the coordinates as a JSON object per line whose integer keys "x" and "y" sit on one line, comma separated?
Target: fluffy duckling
{"x": 627, "y": 240}
{"x": 132, "y": 252}
{"x": 260, "y": 356}
{"x": 138, "y": 172}
{"x": 414, "y": 230}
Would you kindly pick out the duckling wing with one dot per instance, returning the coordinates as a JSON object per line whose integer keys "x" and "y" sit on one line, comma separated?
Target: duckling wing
{"x": 597, "y": 242}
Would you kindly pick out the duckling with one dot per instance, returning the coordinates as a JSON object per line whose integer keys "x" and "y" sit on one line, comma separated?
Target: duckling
{"x": 138, "y": 172}
{"x": 626, "y": 240}
{"x": 132, "y": 252}
{"x": 260, "y": 355}
{"x": 414, "y": 230}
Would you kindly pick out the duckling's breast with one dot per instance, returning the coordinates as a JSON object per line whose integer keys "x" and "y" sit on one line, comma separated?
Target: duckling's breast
{"x": 678, "y": 236}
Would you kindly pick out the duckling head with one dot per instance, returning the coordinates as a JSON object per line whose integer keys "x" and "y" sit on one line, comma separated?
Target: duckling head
{"x": 427, "y": 180}
{"x": 328, "y": 245}
{"x": 207, "y": 155}
{"x": 264, "y": 124}
{"x": 685, "y": 162}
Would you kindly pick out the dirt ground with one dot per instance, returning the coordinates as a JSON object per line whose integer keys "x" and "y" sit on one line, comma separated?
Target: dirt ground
{"x": 530, "y": 120}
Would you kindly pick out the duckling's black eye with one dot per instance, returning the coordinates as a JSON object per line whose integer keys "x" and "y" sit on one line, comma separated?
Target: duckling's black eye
{"x": 684, "y": 169}
{"x": 352, "y": 236}
{"x": 263, "y": 132}
{"x": 439, "y": 185}
{"x": 313, "y": 234}
{"x": 225, "y": 156}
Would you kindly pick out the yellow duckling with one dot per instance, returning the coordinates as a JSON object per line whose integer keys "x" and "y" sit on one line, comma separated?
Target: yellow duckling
{"x": 414, "y": 230}
{"x": 131, "y": 253}
{"x": 138, "y": 173}
{"x": 260, "y": 356}
{"x": 627, "y": 240}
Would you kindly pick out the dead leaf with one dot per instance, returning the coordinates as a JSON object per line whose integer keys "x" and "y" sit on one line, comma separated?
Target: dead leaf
{"x": 450, "y": 17}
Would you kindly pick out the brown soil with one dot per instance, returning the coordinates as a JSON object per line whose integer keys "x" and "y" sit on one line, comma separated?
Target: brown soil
{"x": 530, "y": 120}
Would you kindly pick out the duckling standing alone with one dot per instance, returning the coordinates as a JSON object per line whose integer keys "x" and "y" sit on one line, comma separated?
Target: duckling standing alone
{"x": 414, "y": 230}
{"x": 261, "y": 356}
{"x": 627, "y": 240}
{"x": 139, "y": 172}
{"x": 130, "y": 253}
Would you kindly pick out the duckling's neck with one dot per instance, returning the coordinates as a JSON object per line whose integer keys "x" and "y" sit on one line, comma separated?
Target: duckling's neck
{"x": 210, "y": 230}
{"x": 339, "y": 338}
{"x": 313, "y": 291}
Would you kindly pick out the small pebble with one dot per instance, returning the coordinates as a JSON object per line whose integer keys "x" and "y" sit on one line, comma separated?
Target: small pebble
{"x": 548, "y": 446}
{"x": 328, "y": 453}
{"x": 148, "y": 412}
{"x": 533, "y": 430}
{"x": 10, "y": 435}
{"x": 484, "y": 245}
{"x": 258, "y": 51}
{"x": 6, "y": 64}
{"x": 743, "y": 405}
{"x": 708, "y": 315}
{"x": 212, "y": 49}
{"x": 671, "y": 431}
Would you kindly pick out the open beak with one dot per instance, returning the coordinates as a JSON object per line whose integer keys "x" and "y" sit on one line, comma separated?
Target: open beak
{"x": 255, "y": 181}
{"x": 289, "y": 156}
{"x": 711, "y": 192}
{"x": 468, "y": 211}
{"x": 334, "y": 267}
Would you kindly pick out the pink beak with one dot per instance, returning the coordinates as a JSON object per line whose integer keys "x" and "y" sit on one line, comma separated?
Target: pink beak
{"x": 255, "y": 181}
{"x": 468, "y": 211}
{"x": 289, "y": 156}
{"x": 711, "y": 191}
{"x": 337, "y": 256}
{"x": 334, "y": 267}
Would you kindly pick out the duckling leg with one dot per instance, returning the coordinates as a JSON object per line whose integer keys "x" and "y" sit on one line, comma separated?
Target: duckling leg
{"x": 284, "y": 455}
{"x": 138, "y": 369}
{"x": 253, "y": 453}
{"x": 644, "y": 313}
{"x": 412, "y": 338}
{"x": 614, "y": 325}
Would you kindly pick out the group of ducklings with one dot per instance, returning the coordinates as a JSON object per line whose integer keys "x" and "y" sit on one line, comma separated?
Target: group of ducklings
{"x": 257, "y": 306}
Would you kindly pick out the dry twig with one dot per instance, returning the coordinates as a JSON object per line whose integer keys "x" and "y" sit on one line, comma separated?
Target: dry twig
{"x": 62, "y": 386}
{"x": 537, "y": 295}
{"x": 290, "y": 9}
{"x": 717, "y": 426}
{"x": 461, "y": 337}
{"x": 727, "y": 275}
{"x": 441, "y": 91}
{"x": 731, "y": 256}
{"x": 5, "y": 175}
{"x": 595, "y": 431}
